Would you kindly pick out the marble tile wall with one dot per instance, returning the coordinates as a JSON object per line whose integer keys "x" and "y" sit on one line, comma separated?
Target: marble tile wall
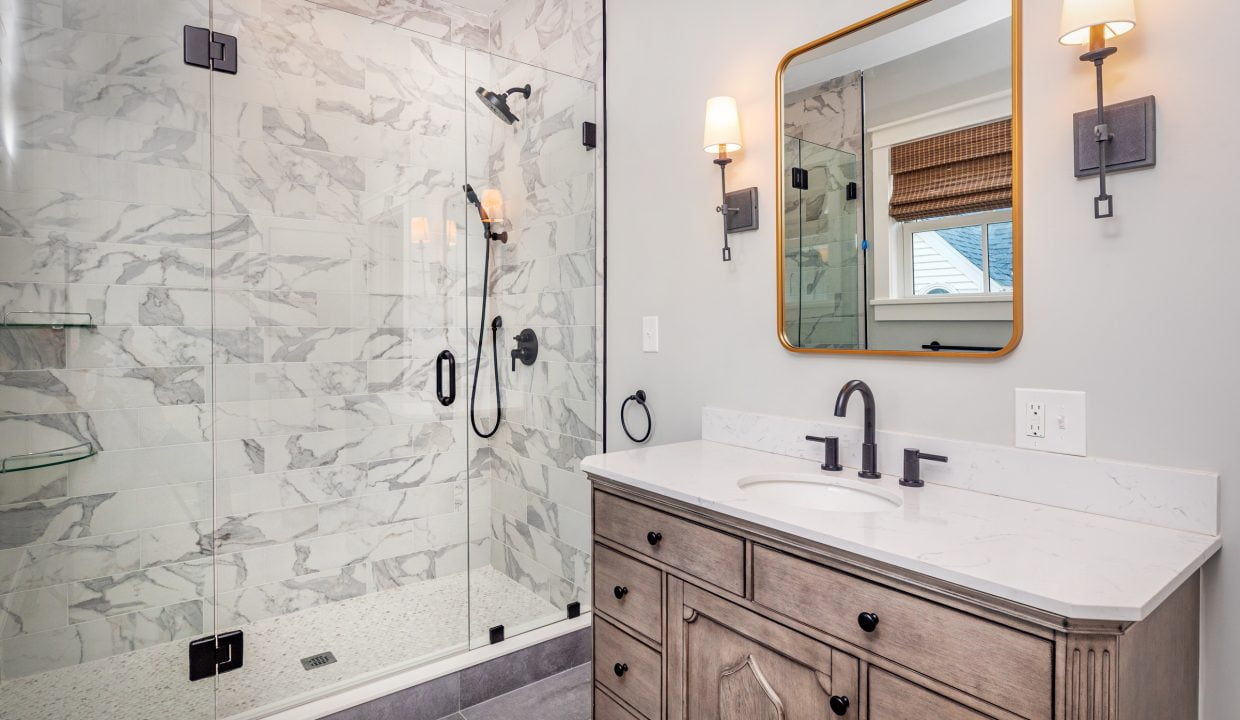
{"x": 271, "y": 298}
{"x": 564, "y": 36}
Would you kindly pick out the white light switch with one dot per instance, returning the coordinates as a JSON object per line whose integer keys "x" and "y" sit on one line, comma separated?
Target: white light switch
{"x": 650, "y": 334}
{"x": 1050, "y": 420}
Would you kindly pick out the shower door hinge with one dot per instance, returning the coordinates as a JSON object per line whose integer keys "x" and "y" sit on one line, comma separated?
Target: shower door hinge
{"x": 213, "y": 51}
{"x": 216, "y": 654}
{"x": 800, "y": 179}
{"x": 589, "y": 135}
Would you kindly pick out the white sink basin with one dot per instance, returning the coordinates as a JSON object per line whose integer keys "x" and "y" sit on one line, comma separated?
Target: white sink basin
{"x": 819, "y": 492}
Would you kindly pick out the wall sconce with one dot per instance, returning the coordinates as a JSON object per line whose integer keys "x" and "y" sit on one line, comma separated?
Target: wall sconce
{"x": 1122, "y": 134}
{"x": 722, "y": 136}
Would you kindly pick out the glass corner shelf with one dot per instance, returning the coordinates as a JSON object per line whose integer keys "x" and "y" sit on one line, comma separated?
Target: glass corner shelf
{"x": 47, "y": 458}
{"x": 47, "y": 319}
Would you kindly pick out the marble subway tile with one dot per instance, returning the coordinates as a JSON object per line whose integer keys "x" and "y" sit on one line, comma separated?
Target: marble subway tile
{"x": 32, "y": 349}
{"x": 33, "y": 611}
{"x": 386, "y": 508}
{"x": 417, "y": 567}
{"x": 264, "y": 601}
{"x": 267, "y": 527}
{"x": 45, "y": 565}
{"x": 138, "y": 346}
{"x": 121, "y": 470}
{"x": 139, "y": 590}
{"x": 49, "y": 391}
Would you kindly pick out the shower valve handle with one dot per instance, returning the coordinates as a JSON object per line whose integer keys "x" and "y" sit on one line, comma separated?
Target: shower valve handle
{"x": 526, "y": 350}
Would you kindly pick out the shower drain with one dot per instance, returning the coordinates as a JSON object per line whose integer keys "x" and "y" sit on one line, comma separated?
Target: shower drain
{"x": 318, "y": 661}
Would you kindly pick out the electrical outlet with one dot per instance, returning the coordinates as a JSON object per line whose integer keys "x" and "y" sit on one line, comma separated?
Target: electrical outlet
{"x": 1035, "y": 419}
{"x": 650, "y": 334}
{"x": 1050, "y": 420}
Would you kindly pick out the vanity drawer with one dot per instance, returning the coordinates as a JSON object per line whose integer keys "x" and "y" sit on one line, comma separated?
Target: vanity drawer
{"x": 999, "y": 664}
{"x": 607, "y": 709}
{"x": 629, "y": 669}
{"x": 708, "y": 554}
{"x": 629, "y": 591}
{"x": 893, "y": 698}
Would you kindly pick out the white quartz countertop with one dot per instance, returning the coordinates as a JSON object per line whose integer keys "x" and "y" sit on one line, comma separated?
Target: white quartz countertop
{"x": 1071, "y": 563}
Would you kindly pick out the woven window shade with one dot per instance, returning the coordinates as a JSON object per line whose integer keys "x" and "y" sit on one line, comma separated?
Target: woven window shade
{"x": 959, "y": 172}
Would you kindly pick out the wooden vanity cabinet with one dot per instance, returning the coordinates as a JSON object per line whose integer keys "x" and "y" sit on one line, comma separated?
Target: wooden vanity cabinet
{"x": 703, "y": 617}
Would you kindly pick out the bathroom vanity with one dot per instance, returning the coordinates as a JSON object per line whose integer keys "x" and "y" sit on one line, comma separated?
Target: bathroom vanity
{"x": 714, "y": 603}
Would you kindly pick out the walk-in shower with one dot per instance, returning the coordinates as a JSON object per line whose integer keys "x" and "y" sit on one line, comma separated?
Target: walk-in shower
{"x": 224, "y": 299}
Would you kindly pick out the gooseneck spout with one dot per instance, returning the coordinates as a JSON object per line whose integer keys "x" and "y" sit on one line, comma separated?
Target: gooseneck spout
{"x": 869, "y": 447}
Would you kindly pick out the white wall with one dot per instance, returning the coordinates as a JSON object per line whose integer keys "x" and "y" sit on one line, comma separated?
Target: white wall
{"x": 1139, "y": 311}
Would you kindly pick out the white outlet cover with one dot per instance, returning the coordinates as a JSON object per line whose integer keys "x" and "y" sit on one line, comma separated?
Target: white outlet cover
{"x": 1063, "y": 424}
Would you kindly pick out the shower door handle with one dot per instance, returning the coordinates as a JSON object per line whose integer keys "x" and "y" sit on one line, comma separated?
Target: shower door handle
{"x": 450, "y": 398}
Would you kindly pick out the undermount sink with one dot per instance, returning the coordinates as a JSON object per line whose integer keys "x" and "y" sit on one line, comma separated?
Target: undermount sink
{"x": 819, "y": 492}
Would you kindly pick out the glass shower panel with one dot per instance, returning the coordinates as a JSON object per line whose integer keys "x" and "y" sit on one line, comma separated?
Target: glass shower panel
{"x": 529, "y": 504}
{"x": 339, "y": 279}
{"x": 822, "y": 261}
{"x": 105, "y": 356}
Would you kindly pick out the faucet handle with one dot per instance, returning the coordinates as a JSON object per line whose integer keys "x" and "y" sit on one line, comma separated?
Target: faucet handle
{"x": 912, "y": 466}
{"x": 831, "y": 448}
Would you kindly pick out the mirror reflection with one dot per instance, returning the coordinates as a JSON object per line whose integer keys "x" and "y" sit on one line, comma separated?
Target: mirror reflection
{"x": 898, "y": 229}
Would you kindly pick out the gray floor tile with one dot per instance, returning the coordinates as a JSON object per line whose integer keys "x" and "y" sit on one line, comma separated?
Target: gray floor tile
{"x": 561, "y": 697}
{"x": 505, "y": 674}
{"x": 433, "y": 700}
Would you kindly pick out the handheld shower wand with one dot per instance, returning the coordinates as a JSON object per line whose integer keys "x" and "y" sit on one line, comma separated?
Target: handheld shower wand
{"x": 496, "y": 324}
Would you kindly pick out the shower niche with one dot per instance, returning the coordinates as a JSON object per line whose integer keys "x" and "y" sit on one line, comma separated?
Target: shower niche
{"x": 273, "y": 405}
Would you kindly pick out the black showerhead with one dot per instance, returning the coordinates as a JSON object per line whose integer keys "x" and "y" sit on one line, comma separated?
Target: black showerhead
{"x": 498, "y": 104}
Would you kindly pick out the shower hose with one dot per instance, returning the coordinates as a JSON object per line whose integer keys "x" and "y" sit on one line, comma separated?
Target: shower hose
{"x": 496, "y": 324}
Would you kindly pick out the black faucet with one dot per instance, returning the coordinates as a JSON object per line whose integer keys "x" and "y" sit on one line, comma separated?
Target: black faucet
{"x": 869, "y": 448}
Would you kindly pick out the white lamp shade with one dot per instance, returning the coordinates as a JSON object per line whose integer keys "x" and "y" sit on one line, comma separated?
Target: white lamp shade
{"x": 723, "y": 125}
{"x": 1117, "y": 16}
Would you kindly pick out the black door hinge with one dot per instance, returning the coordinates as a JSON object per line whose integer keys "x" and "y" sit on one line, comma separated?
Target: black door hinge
{"x": 574, "y": 610}
{"x": 216, "y": 654}
{"x": 214, "y": 51}
{"x": 589, "y": 135}
{"x": 497, "y": 634}
{"x": 800, "y": 179}
{"x": 850, "y": 191}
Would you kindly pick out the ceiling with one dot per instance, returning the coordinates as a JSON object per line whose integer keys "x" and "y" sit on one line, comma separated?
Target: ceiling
{"x": 483, "y": 6}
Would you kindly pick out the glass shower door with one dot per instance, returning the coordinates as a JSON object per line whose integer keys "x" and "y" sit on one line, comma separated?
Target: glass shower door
{"x": 339, "y": 284}
{"x": 822, "y": 261}
{"x": 105, "y": 360}
{"x": 529, "y": 508}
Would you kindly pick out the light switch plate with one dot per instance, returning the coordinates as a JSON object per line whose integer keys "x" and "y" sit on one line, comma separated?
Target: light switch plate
{"x": 650, "y": 334}
{"x": 1050, "y": 420}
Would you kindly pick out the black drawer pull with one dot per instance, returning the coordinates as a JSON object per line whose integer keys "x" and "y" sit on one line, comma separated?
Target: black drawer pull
{"x": 653, "y": 537}
{"x": 839, "y": 704}
{"x": 620, "y": 669}
{"x": 868, "y": 621}
{"x": 620, "y": 591}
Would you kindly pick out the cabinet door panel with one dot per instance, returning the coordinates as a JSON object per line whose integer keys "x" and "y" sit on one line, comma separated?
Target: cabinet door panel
{"x": 893, "y": 698}
{"x": 735, "y": 665}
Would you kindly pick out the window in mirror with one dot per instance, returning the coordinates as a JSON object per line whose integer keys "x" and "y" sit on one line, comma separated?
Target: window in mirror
{"x": 959, "y": 255}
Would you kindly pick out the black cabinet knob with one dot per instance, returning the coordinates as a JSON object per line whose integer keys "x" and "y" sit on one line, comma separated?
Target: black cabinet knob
{"x": 620, "y": 591}
{"x": 621, "y": 669}
{"x": 653, "y": 537}
{"x": 868, "y": 621}
{"x": 839, "y": 704}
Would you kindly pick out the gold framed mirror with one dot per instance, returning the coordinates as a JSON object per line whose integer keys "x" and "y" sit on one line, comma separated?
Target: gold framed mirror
{"x": 899, "y": 229}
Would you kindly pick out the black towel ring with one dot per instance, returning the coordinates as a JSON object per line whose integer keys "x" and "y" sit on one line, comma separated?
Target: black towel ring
{"x": 640, "y": 398}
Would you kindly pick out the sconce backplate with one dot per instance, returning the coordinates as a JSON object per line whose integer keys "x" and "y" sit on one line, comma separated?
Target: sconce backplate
{"x": 745, "y": 202}
{"x": 1133, "y": 145}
